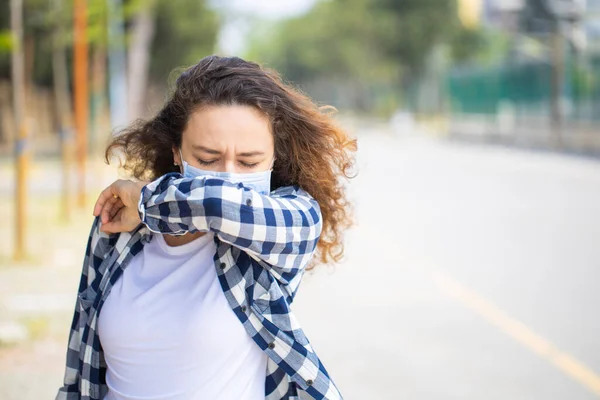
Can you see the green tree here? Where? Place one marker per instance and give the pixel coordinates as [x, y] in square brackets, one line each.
[353, 37]
[407, 30]
[185, 32]
[537, 17]
[369, 45]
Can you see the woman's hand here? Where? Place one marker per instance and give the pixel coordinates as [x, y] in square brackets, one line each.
[117, 206]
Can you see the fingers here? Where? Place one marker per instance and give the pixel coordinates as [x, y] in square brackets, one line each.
[104, 197]
[114, 224]
[120, 196]
[111, 227]
[110, 209]
[116, 208]
[112, 192]
[125, 220]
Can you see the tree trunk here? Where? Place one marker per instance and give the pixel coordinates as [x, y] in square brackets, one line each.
[139, 61]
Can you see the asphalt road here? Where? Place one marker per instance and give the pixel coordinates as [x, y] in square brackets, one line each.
[473, 273]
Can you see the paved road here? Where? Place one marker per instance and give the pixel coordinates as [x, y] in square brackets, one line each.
[473, 273]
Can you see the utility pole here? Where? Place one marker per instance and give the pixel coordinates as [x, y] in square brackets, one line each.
[557, 112]
[80, 88]
[62, 108]
[567, 14]
[561, 16]
[21, 151]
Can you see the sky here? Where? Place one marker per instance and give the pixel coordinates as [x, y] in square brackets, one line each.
[272, 9]
[238, 12]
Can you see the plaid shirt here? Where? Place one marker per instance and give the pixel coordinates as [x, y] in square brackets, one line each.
[263, 246]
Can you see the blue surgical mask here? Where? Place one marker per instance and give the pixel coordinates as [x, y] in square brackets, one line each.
[258, 181]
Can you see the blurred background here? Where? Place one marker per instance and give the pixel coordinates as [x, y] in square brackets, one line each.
[473, 271]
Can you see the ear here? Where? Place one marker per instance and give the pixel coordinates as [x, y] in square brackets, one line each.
[176, 157]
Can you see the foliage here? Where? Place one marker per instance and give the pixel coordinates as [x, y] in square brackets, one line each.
[5, 42]
[362, 49]
[537, 17]
[466, 44]
[357, 39]
[584, 81]
[185, 31]
[408, 29]
[97, 30]
[484, 46]
[331, 41]
[5, 39]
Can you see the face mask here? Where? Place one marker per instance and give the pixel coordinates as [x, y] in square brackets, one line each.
[258, 181]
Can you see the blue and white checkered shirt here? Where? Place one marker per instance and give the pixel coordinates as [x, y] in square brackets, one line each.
[263, 246]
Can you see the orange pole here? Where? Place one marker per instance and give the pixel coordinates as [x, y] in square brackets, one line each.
[81, 97]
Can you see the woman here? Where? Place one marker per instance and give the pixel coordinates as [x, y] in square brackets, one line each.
[195, 271]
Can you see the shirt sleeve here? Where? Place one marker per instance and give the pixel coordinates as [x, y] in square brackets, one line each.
[282, 228]
[93, 256]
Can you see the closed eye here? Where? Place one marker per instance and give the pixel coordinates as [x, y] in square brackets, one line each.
[248, 165]
[203, 162]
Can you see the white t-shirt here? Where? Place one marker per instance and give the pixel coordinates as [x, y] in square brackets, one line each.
[168, 332]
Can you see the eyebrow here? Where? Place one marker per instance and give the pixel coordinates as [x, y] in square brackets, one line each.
[251, 154]
[205, 149]
[213, 151]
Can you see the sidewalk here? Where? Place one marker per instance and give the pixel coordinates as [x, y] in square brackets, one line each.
[37, 296]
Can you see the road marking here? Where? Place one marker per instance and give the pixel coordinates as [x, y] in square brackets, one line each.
[520, 332]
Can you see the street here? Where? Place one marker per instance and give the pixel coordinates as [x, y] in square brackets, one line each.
[472, 273]
[472, 268]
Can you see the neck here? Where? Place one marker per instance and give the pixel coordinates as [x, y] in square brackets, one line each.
[175, 241]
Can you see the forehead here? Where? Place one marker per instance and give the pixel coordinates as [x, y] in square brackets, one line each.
[227, 126]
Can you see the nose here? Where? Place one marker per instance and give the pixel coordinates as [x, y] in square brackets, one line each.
[230, 165]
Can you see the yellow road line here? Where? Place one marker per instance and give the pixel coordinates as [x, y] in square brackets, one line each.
[521, 333]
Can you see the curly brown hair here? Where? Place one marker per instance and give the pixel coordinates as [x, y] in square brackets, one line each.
[311, 150]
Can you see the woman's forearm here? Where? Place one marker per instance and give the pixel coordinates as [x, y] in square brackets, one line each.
[282, 229]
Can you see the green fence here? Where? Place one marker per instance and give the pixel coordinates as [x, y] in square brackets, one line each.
[527, 86]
